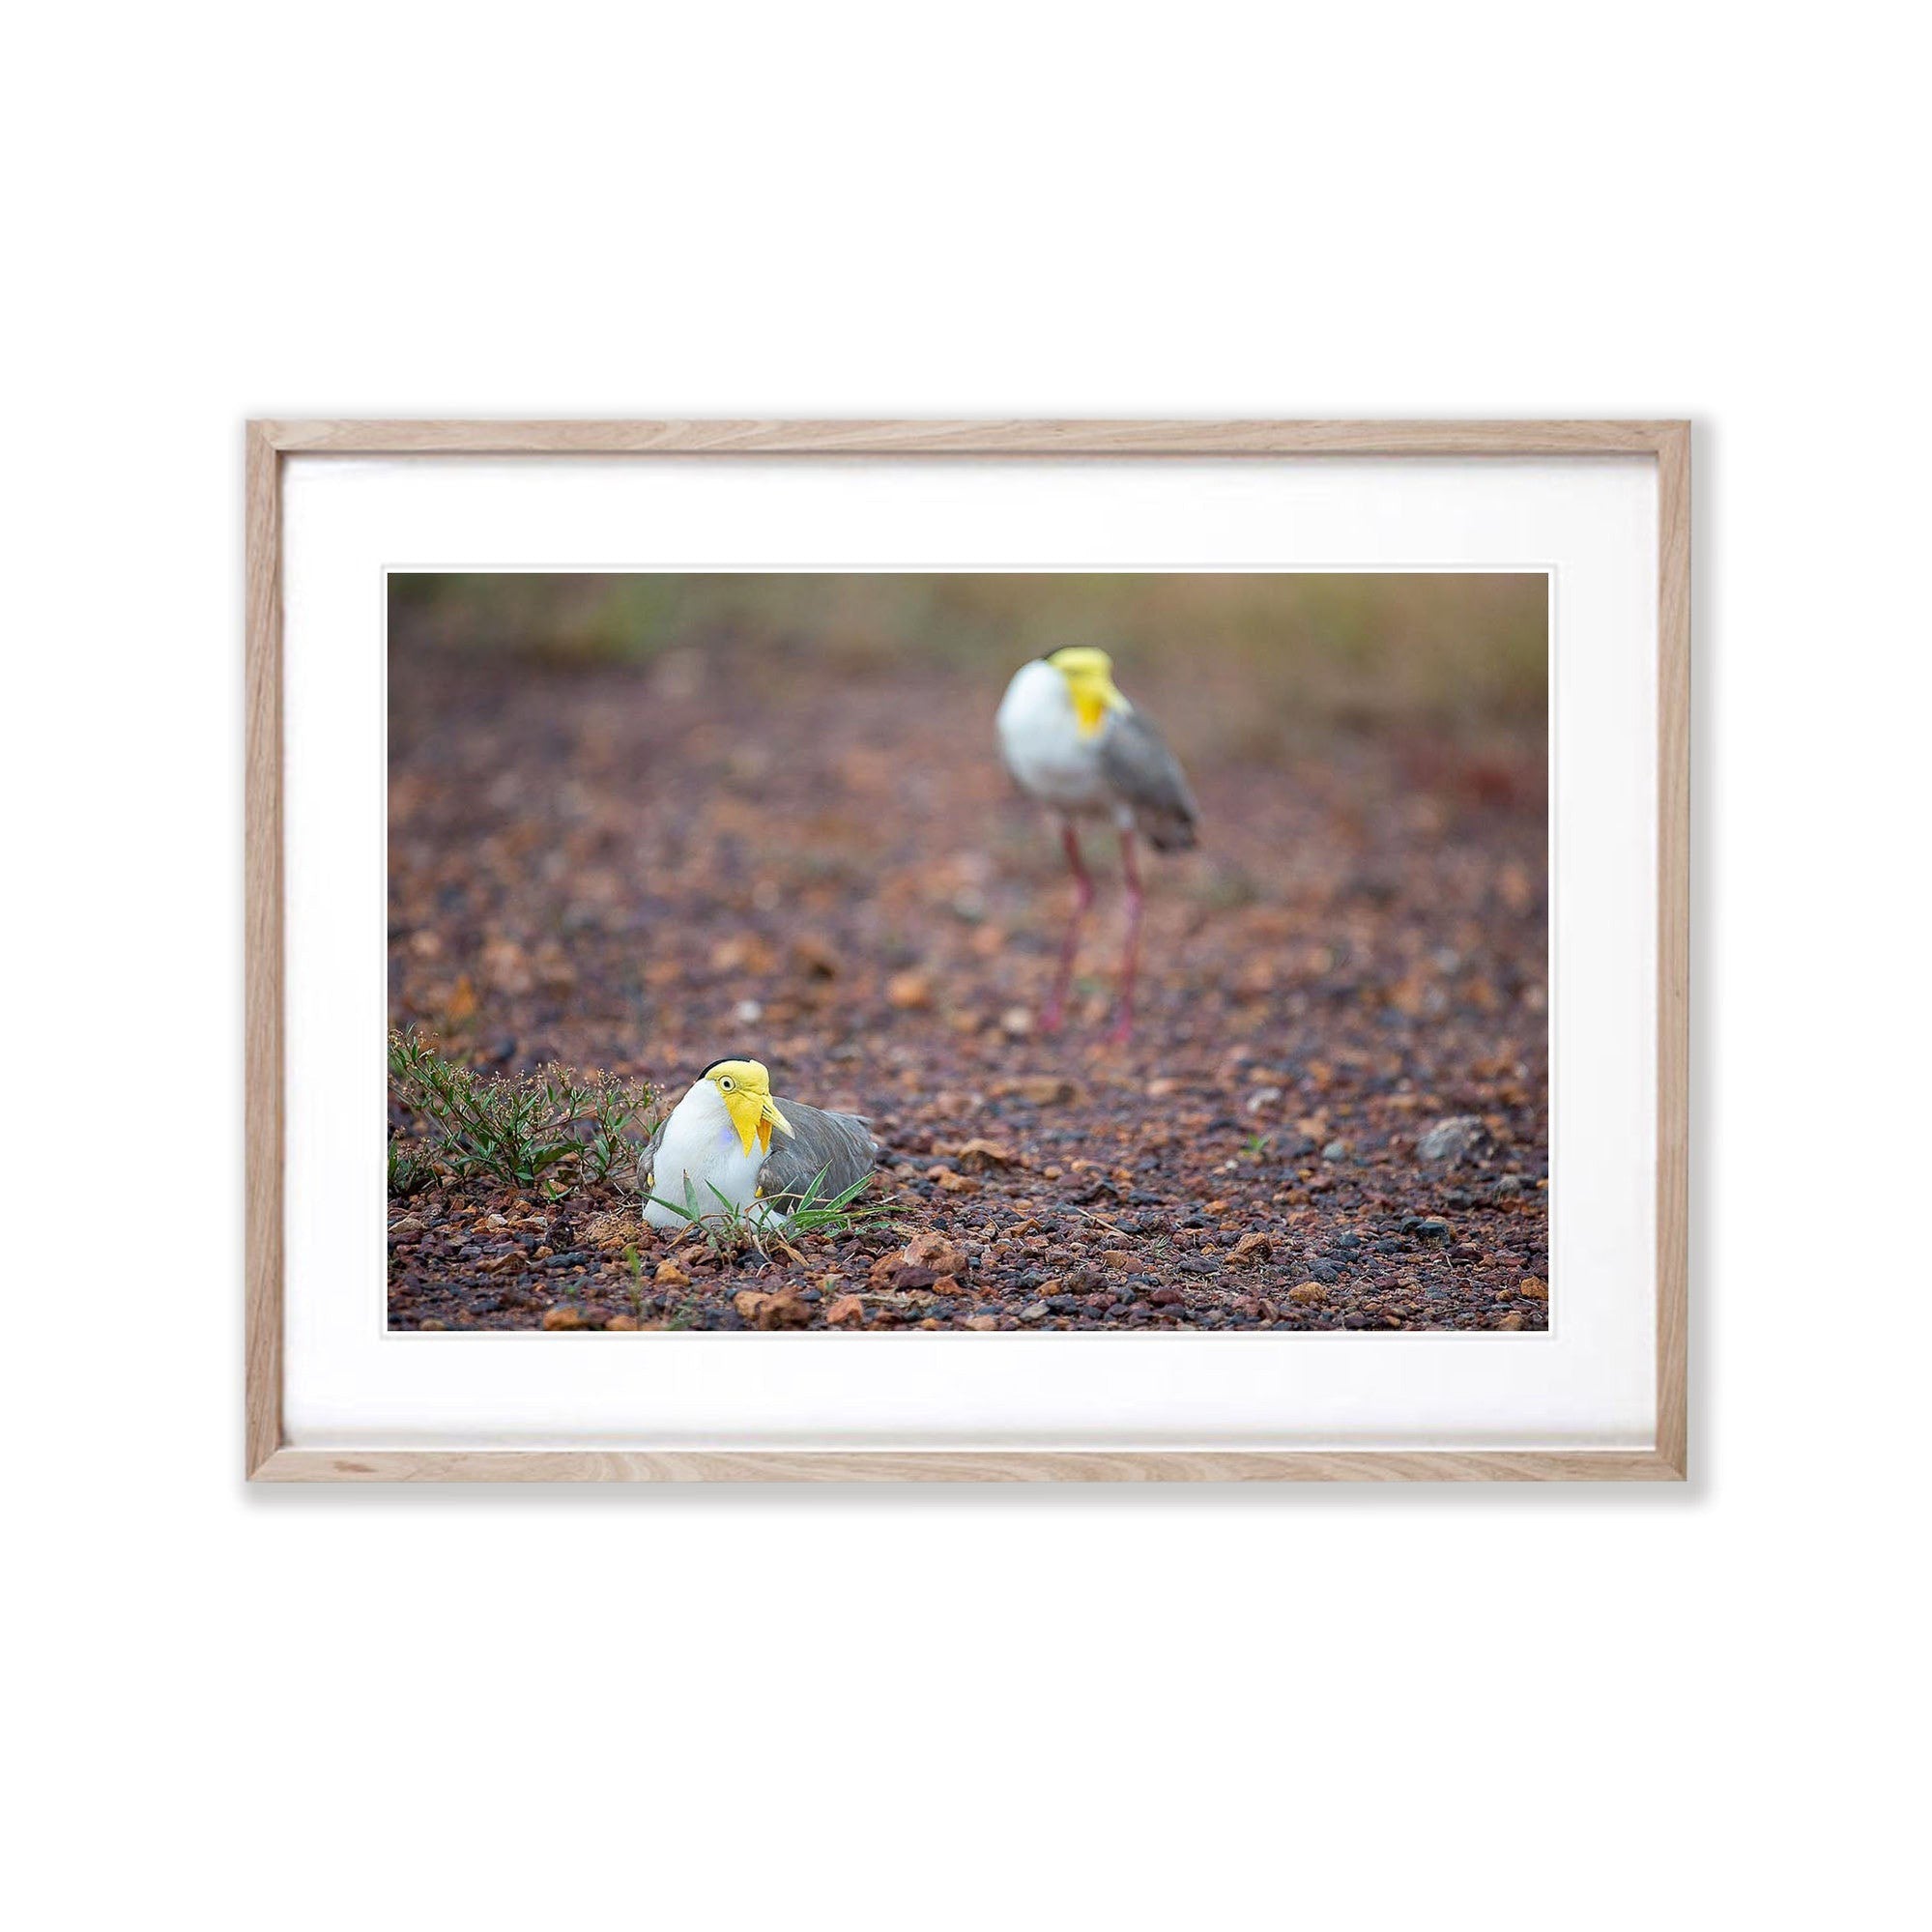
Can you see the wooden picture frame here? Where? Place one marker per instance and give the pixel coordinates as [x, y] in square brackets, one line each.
[269, 1457]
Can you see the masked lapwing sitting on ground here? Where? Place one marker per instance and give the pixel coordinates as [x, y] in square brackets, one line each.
[1071, 741]
[728, 1145]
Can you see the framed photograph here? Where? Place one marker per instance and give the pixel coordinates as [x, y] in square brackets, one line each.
[968, 951]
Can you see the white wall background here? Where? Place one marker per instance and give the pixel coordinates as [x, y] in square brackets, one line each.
[1493, 1708]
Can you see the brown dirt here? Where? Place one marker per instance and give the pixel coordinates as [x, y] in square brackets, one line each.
[643, 869]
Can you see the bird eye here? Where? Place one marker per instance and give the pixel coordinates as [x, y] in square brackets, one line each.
[725, 1081]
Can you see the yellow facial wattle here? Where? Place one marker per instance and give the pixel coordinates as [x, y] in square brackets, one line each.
[747, 1113]
[745, 1088]
[1089, 675]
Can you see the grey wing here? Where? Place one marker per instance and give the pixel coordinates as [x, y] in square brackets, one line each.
[1147, 778]
[838, 1145]
[647, 1156]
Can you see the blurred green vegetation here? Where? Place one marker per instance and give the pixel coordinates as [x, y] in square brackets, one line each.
[1342, 648]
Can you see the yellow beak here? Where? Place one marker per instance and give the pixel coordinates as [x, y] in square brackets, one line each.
[754, 1115]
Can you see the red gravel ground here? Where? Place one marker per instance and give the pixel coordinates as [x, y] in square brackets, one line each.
[643, 868]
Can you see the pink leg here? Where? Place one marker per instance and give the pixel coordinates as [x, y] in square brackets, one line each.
[1057, 1007]
[1129, 957]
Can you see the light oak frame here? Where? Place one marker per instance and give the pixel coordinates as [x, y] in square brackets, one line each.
[269, 1458]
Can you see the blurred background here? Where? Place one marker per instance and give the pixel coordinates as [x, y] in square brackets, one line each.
[633, 817]
[1459, 653]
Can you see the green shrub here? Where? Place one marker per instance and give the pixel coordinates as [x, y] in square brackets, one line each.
[544, 1130]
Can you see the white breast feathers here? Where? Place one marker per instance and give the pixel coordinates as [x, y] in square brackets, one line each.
[700, 1151]
[1040, 739]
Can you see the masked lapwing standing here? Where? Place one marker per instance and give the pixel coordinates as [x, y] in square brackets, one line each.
[1071, 741]
[728, 1145]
